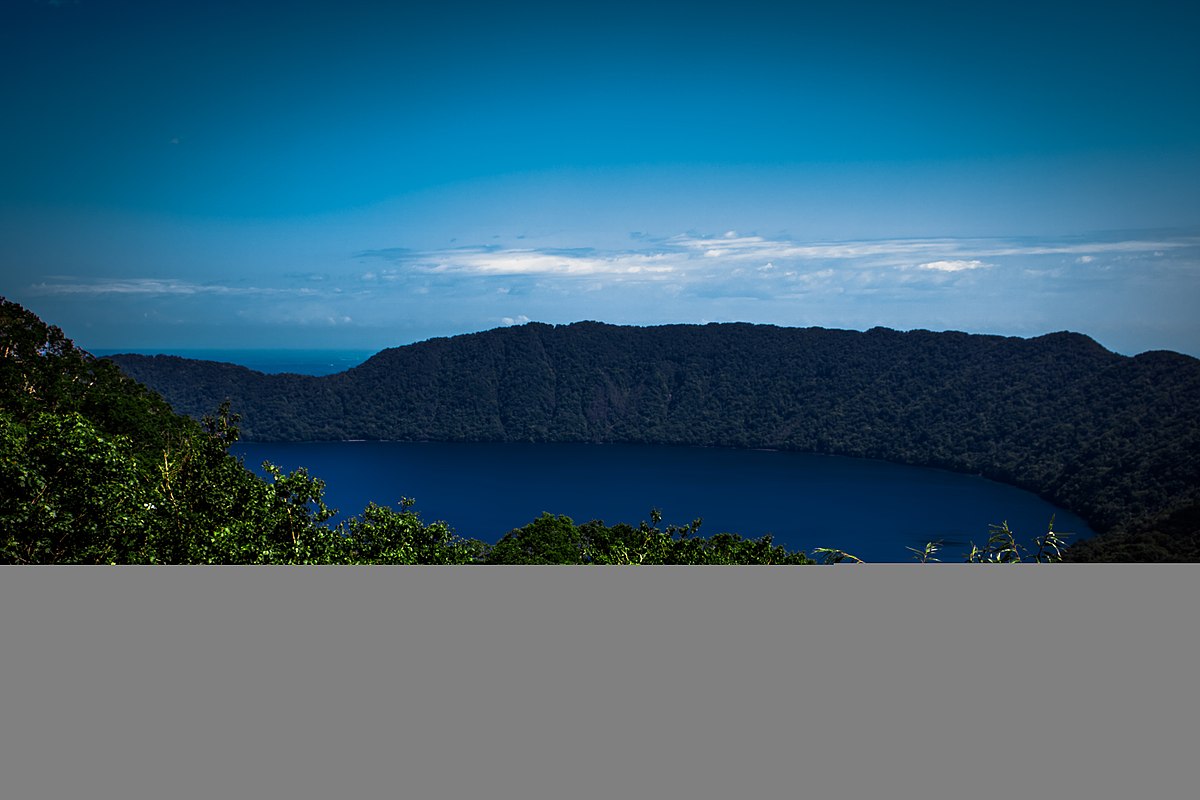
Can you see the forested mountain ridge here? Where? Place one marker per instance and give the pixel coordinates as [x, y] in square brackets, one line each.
[1111, 437]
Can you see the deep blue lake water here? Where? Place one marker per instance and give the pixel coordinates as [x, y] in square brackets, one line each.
[872, 509]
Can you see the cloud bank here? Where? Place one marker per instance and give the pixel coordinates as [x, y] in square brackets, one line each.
[1136, 289]
[691, 259]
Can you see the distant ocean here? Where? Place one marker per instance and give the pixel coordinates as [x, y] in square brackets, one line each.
[301, 362]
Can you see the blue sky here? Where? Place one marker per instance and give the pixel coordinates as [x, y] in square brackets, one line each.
[357, 174]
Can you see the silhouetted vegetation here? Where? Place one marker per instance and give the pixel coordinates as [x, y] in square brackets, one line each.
[1113, 438]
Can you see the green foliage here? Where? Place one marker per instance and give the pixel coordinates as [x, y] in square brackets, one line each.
[1002, 547]
[832, 555]
[69, 492]
[558, 540]
[383, 535]
[1050, 546]
[546, 540]
[96, 468]
[928, 554]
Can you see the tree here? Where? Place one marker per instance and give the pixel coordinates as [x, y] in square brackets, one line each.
[546, 540]
[68, 493]
[382, 535]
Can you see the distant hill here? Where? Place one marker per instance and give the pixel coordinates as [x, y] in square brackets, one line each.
[1114, 438]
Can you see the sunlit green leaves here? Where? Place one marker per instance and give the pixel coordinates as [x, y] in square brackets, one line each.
[71, 493]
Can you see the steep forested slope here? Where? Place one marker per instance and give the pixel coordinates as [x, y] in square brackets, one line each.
[1114, 438]
[95, 468]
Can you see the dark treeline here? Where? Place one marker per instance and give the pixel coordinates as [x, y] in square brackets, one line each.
[1113, 438]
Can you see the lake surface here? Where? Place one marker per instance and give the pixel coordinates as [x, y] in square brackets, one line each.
[872, 509]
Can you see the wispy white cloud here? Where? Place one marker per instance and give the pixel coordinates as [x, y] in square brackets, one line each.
[152, 287]
[755, 248]
[533, 262]
[733, 260]
[953, 266]
[520, 319]
[308, 314]
[487, 261]
[994, 248]
[812, 277]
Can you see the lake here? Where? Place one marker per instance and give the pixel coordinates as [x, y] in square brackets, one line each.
[872, 509]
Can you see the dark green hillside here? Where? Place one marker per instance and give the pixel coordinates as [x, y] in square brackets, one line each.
[95, 468]
[1113, 438]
